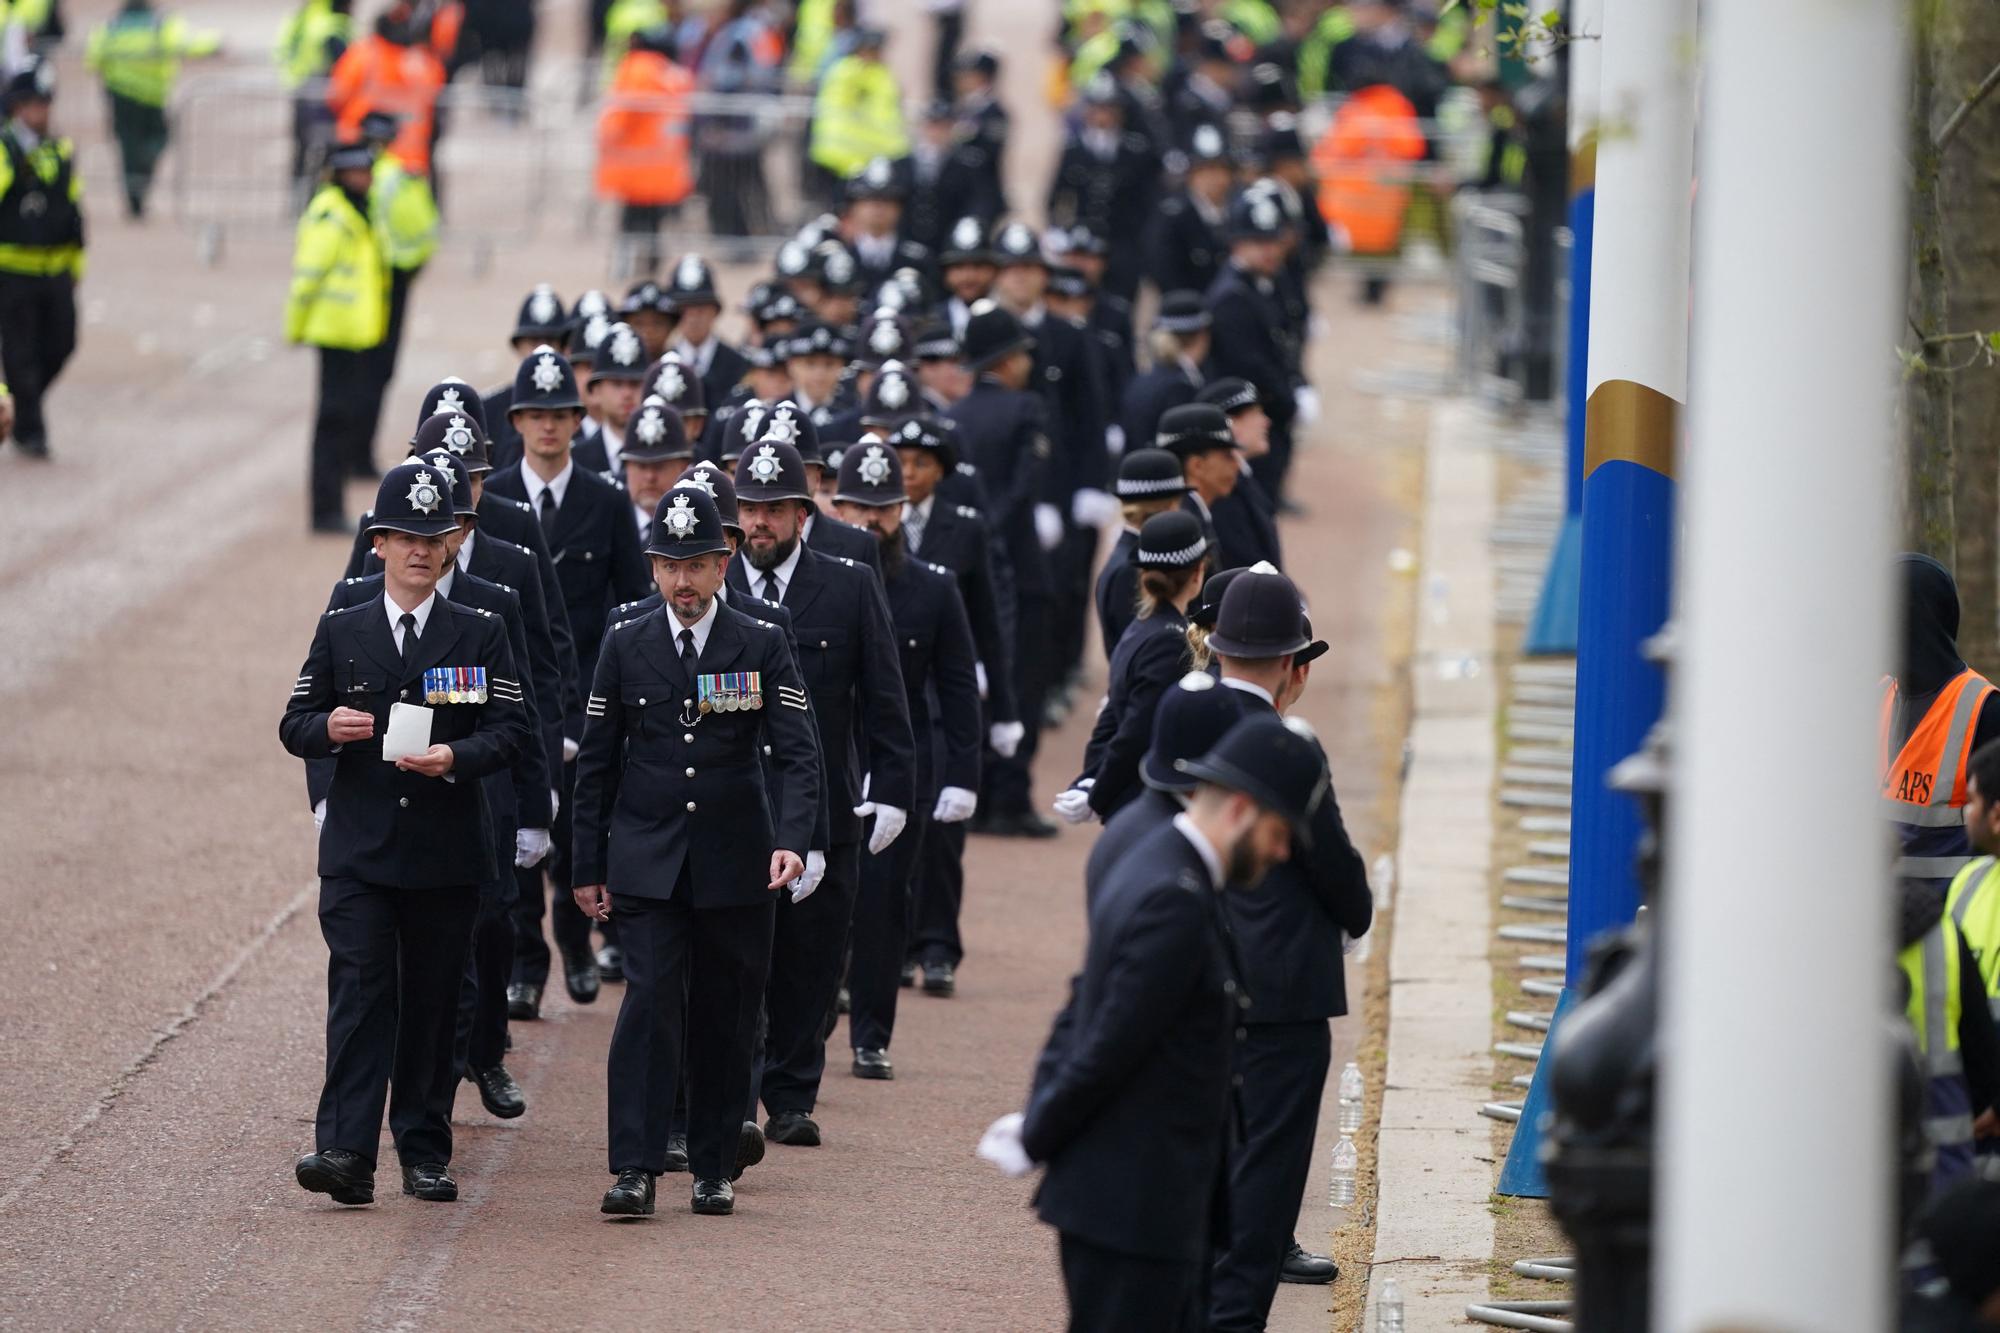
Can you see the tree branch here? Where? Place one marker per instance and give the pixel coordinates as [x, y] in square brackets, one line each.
[1956, 121]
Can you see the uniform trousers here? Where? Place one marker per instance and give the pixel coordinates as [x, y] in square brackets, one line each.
[382, 369]
[37, 335]
[340, 423]
[1007, 780]
[693, 979]
[141, 131]
[1070, 568]
[936, 897]
[807, 952]
[1283, 1070]
[1109, 1291]
[572, 927]
[482, 999]
[395, 963]
[881, 919]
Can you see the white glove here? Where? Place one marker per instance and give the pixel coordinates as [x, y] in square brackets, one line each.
[1048, 526]
[555, 804]
[1092, 508]
[1114, 439]
[955, 805]
[530, 846]
[889, 822]
[1074, 805]
[570, 750]
[979, 674]
[1306, 400]
[1006, 737]
[319, 815]
[1001, 1145]
[815, 871]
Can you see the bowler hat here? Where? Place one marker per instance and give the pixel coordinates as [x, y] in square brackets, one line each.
[1192, 716]
[686, 524]
[1172, 540]
[1261, 617]
[1279, 768]
[1194, 428]
[1148, 474]
[992, 334]
[414, 497]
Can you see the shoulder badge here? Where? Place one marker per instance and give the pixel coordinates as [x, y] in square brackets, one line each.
[937, 568]
[845, 561]
[339, 609]
[349, 583]
[967, 511]
[521, 505]
[1040, 448]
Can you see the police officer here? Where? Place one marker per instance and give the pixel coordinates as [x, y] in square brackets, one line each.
[1289, 926]
[1104, 181]
[950, 176]
[1110, 315]
[871, 224]
[41, 249]
[1003, 429]
[854, 679]
[719, 366]
[965, 266]
[1149, 482]
[673, 380]
[1974, 898]
[542, 319]
[651, 312]
[1179, 347]
[338, 303]
[138, 54]
[657, 453]
[1250, 339]
[938, 660]
[1132, 1102]
[405, 845]
[586, 522]
[1187, 244]
[518, 801]
[1151, 655]
[1245, 517]
[814, 358]
[684, 702]
[983, 126]
[615, 387]
[1211, 461]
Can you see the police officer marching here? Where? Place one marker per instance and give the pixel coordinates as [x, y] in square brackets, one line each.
[415, 698]
[41, 249]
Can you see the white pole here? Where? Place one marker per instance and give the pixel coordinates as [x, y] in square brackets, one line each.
[1774, 1172]
[1585, 17]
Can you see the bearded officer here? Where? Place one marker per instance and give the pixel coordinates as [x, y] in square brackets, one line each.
[685, 700]
[938, 660]
[855, 681]
[405, 845]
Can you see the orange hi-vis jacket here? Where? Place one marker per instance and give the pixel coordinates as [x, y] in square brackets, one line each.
[378, 75]
[1923, 784]
[642, 133]
[1362, 165]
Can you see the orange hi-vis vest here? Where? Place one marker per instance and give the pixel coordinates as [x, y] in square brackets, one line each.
[1363, 165]
[642, 133]
[1923, 784]
[378, 75]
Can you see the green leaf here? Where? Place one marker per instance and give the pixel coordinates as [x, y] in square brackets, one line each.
[1993, 342]
[1513, 9]
[1552, 19]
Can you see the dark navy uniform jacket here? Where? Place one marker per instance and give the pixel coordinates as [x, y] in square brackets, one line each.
[1112, 197]
[1004, 434]
[1118, 590]
[934, 643]
[1131, 1104]
[1122, 832]
[1246, 525]
[660, 785]
[726, 369]
[506, 447]
[848, 657]
[1184, 252]
[1148, 397]
[962, 186]
[956, 538]
[1249, 339]
[595, 550]
[844, 541]
[1150, 657]
[384, 825]
[1069, 374]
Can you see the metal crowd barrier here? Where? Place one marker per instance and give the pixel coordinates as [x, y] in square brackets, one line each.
[1489, 263]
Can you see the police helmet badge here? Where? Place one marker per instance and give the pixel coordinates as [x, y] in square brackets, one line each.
[753, 417]
[895, 391]
[424, 495]
[784, 426]
[839, 267]
[651, 427]
[699, 477]
[458, 436]
[680, 518]
[874, 466]
[965, 235]
[449, 478]
[1264, 213]
[885, 339]
[672, 383]
[625, 346]
[1207, 141]
[548, 375]
[449, 401]
[876, 174]
[595, 328]
[765, 466]
[689, 273]
[912, 431]
[542, 307]
[1017, 239]
[592, 304]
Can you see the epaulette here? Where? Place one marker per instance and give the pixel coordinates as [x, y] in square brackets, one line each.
[623, 623]
[625, 606]
[503, 587]
[967, 511]
[762, 624]
[967, 470]
[367, 514]
[937, 568]
[358, 578]
[521, 505]
[481, 610]
[336, 610]
[845, 561]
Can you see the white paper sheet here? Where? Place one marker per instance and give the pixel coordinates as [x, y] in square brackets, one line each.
[409, 731]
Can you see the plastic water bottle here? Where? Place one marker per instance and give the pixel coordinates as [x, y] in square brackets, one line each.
[1345, 1159]
[1350, 1098]
[1389, 1308]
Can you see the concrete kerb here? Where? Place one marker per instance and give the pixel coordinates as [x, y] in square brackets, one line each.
[1434, 1232]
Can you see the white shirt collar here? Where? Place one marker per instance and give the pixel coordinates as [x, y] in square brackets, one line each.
[698, 355]
[1250, 688]
[700, 627]
[645, 523]
[532, 482]
[395, 614]
[922, 509]
[444, 582]
[614, 449]
[465, 547]
[1202, 846]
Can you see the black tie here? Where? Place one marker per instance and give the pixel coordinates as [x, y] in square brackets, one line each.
[689, 658]
[770, 592]
[409, 624]
[549, 516]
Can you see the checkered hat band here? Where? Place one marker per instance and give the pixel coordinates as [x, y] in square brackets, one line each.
[1187, 555]
[1131, 487]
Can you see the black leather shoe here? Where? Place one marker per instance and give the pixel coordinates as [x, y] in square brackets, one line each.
[714, 1198]
[611, 963]
[749, 1148]
[430, 1181]
[40, 449]
[632, 1196]
[794, 1129]
[677, 1153]
[580, 975]
[524, 1001]
[1305, 1267]
[873, 1063]
[940, 979]
[909, 974]
[1029, 824]
[498, 1092]
[343, 1176]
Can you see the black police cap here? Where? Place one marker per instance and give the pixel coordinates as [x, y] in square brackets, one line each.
[686, 524]
[693, 282]
[1256, 215]
[871, 473]
[1230, 394]
[544, 379]
[714, 478]
[884, 336]
[991, 334]
[1015, 243]
[621, 356]
[771, 469]
[777, 307]
[414, 497]
[894, 397]
[458, 478]
[644, 296]
[1191, 718]
[1148, 474]
[1172, 540]
[878, 178]
[935, 435]
[1183, 312]
[965, 243]
[675, 382]
[1194, 428]
[935, 342]
[1261, 616]
[816, 340]
[455, 434]
[1265, 758]
[1206, 607]
[656, 434]
[834, 267]
[452, 394]
[1065, 280]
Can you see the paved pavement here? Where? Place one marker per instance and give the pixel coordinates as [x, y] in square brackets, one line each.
[162, 980]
